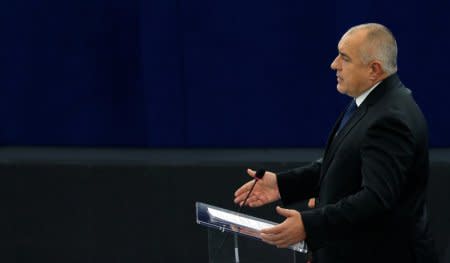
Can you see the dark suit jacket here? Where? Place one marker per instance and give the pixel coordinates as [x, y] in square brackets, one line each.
[370, 184]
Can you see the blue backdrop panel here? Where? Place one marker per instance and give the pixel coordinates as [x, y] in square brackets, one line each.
[250, 75]
[161, 74]
[204, 73]
[71, 74]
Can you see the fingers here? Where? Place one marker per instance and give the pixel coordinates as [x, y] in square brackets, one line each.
[285, 212]
[254, 200]
[273, 230]
[263, 192]
[280, 228]
[287, 233]
[312, 203]
[242, 192]
[277, 236]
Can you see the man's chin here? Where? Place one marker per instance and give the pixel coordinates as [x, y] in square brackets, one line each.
[340, 89]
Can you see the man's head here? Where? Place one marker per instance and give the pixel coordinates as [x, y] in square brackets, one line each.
[367, 55]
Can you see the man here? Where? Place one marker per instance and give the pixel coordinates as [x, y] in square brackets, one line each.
[371, 182]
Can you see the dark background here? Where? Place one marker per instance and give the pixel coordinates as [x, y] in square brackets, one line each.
[203, 73]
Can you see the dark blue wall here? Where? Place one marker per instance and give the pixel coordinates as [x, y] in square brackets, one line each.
[203, 73]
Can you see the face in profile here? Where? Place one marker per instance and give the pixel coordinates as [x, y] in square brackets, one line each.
[352, 74]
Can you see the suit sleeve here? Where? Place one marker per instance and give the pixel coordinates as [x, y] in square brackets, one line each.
[300, 183]
[387, 152]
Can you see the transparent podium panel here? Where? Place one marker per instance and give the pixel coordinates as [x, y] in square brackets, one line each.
[227, 247]
[234, 237]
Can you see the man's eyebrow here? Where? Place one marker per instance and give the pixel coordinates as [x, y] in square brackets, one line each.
[344, 55]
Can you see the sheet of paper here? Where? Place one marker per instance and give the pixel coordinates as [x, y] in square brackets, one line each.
[239, 220]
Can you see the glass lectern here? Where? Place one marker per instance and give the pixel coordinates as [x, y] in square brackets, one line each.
[234, 237]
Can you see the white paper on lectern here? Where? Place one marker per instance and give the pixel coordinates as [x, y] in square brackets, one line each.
[246, 222]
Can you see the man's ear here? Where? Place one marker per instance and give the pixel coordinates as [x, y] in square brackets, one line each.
[376, 70]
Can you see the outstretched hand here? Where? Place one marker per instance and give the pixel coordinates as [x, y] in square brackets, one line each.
[265, 191]
[288, 233]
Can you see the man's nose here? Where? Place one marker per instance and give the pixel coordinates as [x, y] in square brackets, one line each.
[333, 65]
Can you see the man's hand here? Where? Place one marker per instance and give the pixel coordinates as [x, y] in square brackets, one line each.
[290, 232]
[265, 191]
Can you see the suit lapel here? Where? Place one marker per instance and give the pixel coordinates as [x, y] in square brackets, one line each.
[335, 141]
[331, 136]
[348, 127]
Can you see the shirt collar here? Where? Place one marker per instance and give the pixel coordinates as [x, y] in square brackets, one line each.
[360, 99]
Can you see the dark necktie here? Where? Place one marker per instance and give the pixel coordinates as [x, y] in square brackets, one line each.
[347, 115]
